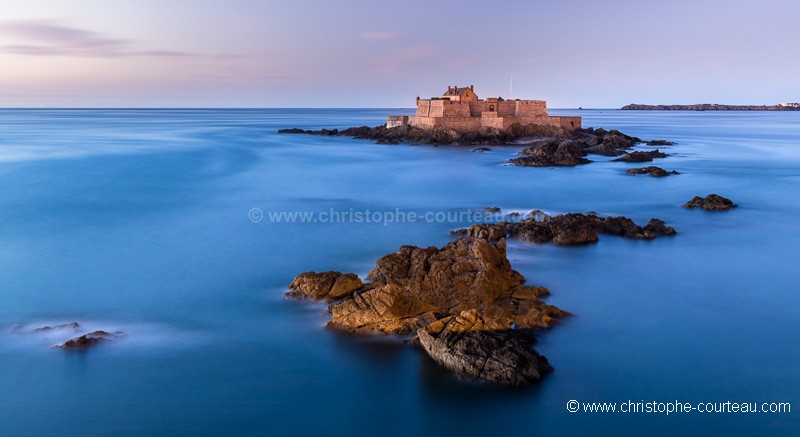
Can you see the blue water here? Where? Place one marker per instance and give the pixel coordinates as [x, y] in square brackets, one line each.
[137, 220]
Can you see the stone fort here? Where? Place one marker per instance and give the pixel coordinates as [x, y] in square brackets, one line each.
[460, 109]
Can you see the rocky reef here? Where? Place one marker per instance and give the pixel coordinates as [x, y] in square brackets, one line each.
[469, 310]
[567, 229]
[650, 170]
[78, 342]
[548, 146]
[572, 151]
[410, 134]
[712, 202]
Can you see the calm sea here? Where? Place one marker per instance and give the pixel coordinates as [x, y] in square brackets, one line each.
[142, 221]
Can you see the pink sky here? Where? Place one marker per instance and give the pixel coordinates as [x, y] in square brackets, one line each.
[247, 53]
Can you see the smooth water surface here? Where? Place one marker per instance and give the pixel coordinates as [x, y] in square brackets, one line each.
[140, 221]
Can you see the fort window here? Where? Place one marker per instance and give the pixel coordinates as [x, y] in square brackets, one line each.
[491, 108]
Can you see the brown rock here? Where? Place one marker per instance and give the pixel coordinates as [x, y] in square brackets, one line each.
[415, 286]
[552, 153]
[712, 202]
[88, 340]
[477, 348]
[642, 156]
[326, 285]
[566, 229]
[650, 170]
[468, 285]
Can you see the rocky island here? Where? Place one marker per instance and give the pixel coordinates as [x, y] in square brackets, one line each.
[470, 311]
[712, 107]
[712, 202]
[77, 341]
[460, 118]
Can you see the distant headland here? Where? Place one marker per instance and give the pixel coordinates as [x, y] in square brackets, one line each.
[713, 107]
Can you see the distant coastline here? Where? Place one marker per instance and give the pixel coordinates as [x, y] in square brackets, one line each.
[713, 107]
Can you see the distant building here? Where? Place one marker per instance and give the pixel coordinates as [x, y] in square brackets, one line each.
[460, 109]
[789, 105]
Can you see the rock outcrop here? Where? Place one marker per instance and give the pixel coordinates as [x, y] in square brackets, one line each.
[567, 229]
[642, 156]
[568, 152]
[553, 152]
[650, 170]
[325, 286]
[474, 347]
[88, 340]
[431, 292]
[548, 145]
[73, 326]
[411, 134]
[712, 202]
[83, 341]
[660, 143]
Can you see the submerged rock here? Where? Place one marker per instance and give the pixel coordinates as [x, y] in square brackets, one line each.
[642, 156]
[660, 143]
[712, 202]
[650, 170]
[422, 289]
[482, 149]
[72, 325]
[88, 340]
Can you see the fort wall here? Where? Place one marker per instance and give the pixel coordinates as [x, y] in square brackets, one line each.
[465, 113]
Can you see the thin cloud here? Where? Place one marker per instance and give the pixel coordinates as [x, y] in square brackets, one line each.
[46, 38]
[400, 59]
[377, 35]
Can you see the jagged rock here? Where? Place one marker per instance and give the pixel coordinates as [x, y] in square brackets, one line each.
[88, 340]
[492, 209]
[553, 152]
[642, 156]
[566, 229]
[537, 213]
[660, 143]
[416, 287]
[476, 348]
[411, 134]
[487, 231]
[650, 170]
[712, 202]
[556, 147]
[326, 285]
[657, 226]
[514, 214]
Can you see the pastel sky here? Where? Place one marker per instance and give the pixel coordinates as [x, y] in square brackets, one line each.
[351, 53]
